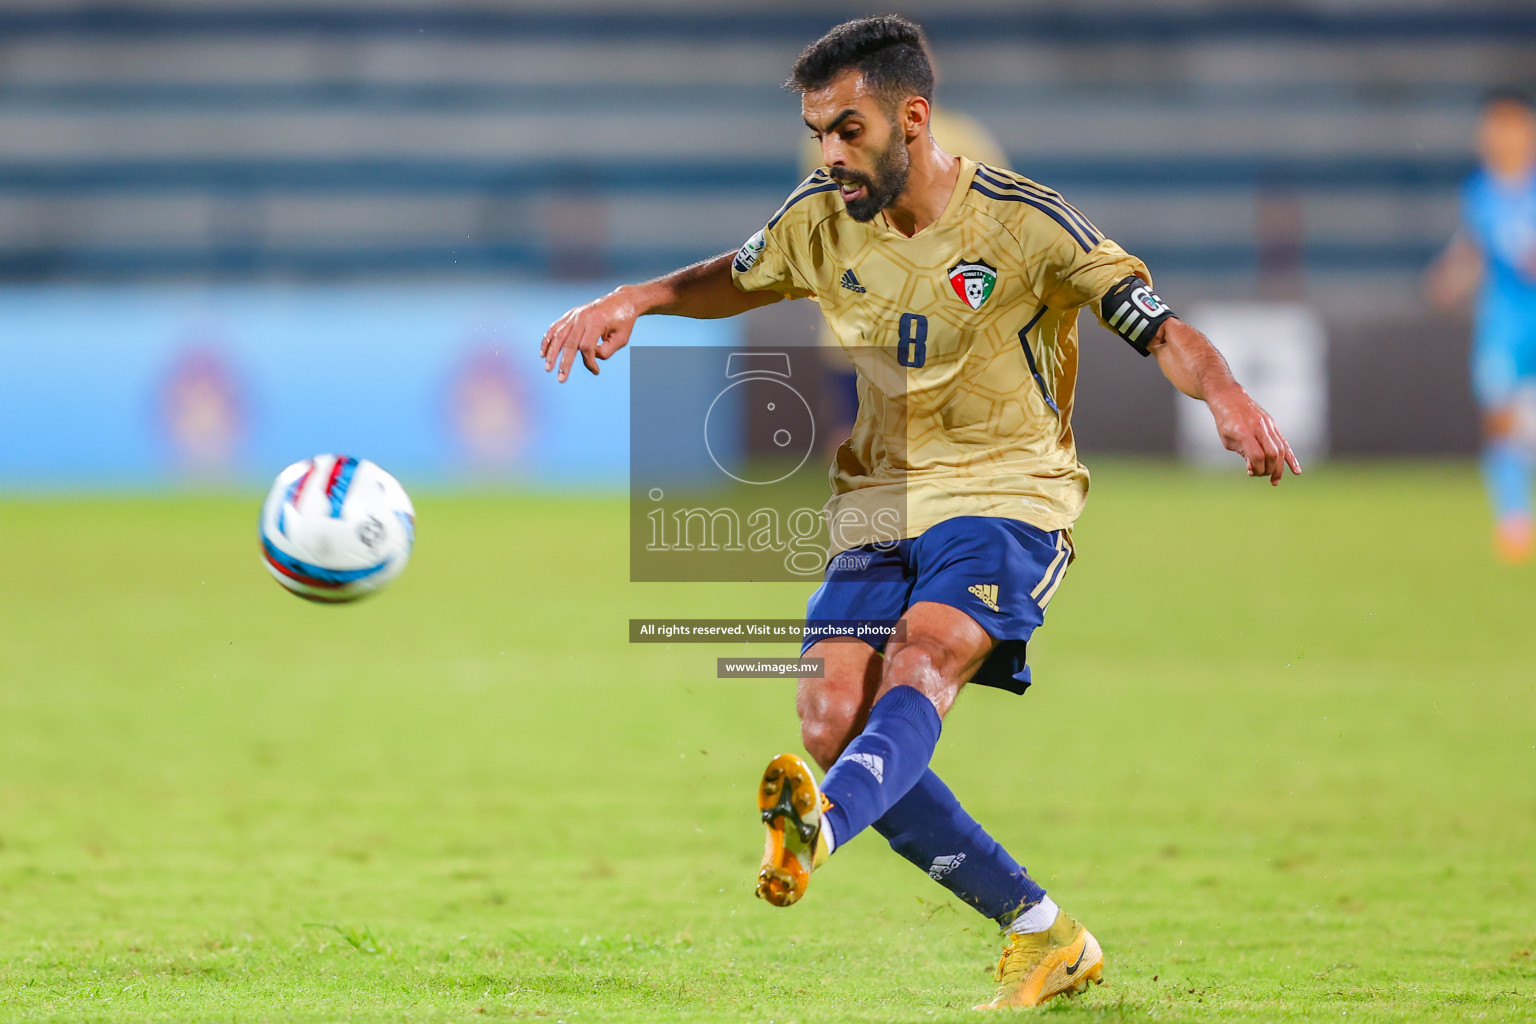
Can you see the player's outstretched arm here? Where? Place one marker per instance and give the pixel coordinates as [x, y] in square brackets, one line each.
[1454, 275]
[600, 328]
[1191, 362]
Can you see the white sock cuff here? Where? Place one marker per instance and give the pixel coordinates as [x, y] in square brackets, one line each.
[826, 830]
[1036, 919]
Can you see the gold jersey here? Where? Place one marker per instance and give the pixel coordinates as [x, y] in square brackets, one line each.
[953, 132]
[964, 338]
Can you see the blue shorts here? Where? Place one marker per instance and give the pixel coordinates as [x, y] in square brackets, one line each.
[1503, 352]
[1000, 572]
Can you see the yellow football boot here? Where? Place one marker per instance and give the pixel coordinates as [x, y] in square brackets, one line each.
[791, 805]
[1061, 960]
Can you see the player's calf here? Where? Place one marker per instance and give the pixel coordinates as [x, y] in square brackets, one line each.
[834, 708]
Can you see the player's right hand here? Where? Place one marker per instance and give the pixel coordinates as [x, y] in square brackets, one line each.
[596, 330]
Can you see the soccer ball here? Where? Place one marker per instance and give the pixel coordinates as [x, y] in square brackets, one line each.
[335, 528]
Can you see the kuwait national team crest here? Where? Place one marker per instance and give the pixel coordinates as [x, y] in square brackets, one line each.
[973, 281]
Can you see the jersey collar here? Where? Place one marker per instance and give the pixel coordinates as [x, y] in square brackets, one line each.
[957, 197]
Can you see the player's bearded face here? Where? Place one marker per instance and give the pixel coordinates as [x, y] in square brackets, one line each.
[867, 194]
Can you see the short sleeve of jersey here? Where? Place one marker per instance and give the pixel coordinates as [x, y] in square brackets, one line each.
[1066, 259]
[776, 258]
[762, 264]
[1071, 276]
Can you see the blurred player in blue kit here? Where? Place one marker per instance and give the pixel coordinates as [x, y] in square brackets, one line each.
[1494, 253]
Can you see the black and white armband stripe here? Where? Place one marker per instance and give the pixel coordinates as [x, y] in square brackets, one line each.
[1135, 312]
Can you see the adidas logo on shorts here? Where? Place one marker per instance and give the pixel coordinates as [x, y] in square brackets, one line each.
[986, 593]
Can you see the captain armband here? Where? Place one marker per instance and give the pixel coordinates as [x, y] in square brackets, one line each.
[1135, 312]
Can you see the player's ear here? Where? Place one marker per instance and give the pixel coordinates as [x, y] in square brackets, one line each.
[915, 114]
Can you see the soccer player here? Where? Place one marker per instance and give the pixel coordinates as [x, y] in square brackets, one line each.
[1497, 243]
[959, 287]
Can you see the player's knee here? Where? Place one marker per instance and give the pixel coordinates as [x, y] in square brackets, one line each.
[921, 657]
[927, 664]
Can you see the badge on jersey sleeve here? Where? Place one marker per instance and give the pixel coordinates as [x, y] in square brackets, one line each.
[973, 281]
[748, 253]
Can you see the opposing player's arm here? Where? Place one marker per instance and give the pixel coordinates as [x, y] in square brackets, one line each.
[703, 291]
[1195, 367]
[1454, 275]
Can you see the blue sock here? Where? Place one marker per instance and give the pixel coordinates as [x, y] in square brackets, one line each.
[1508, 470]
[882, 763]
[930, 828]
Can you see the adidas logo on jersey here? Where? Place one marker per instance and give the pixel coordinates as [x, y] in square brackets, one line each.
[874, 762]
[944, 865]
[852, 283]
[986, 593]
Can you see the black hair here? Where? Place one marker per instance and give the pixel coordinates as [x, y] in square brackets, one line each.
[887, 50]
[1507, 94]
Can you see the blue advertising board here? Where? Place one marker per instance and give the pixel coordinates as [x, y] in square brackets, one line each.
[107, 387]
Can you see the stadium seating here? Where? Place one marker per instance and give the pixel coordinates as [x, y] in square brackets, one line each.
[1278, 150]
[237, 139]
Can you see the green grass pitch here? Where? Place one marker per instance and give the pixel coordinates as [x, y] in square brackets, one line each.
[1280, 757]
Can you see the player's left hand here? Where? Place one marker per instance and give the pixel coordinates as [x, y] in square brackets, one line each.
[1247, 429]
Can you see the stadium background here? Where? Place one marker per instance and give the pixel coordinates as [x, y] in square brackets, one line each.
[1279, 751]
[207, 208]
